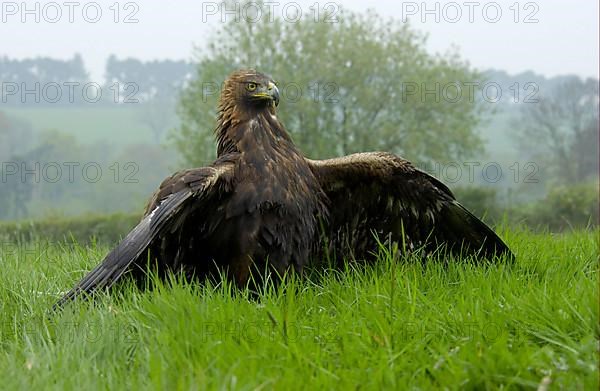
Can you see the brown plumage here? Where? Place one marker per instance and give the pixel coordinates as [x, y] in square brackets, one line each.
[262, 207]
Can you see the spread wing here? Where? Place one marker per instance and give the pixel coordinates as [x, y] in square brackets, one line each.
[380, 194]
[178, 197]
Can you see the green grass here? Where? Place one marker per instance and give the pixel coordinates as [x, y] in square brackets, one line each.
[399, 324]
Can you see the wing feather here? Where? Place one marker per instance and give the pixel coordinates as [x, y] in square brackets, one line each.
[380, 193]
[167, 210]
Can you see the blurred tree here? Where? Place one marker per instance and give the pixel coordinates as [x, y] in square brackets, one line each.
[349, 82]
[145, 81]
[15, 136]
[158, 116]
[564, 207]
[15, 193]
[36, 73]
[561, 130]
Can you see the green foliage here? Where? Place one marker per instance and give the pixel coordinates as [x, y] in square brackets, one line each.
[564, 208]
[343, 84]
[401, 324]
[106, 229]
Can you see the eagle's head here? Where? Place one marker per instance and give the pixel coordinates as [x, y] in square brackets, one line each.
[247, 106]
[249, 89]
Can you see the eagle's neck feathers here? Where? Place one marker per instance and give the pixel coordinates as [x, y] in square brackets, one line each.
[246, 129]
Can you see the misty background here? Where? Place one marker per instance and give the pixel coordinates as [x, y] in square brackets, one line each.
[94, 113]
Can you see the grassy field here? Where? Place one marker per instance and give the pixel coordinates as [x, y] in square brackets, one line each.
[89, 125]
[397, 325]
[126, 124]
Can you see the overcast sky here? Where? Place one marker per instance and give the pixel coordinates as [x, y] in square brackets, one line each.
[562, 38]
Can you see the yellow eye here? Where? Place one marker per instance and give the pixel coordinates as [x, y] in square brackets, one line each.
[251, 86]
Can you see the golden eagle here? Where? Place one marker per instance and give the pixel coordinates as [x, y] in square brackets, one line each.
[262, 207]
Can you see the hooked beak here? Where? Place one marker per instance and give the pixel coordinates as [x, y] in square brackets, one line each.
[269, 92]
[273, 92]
